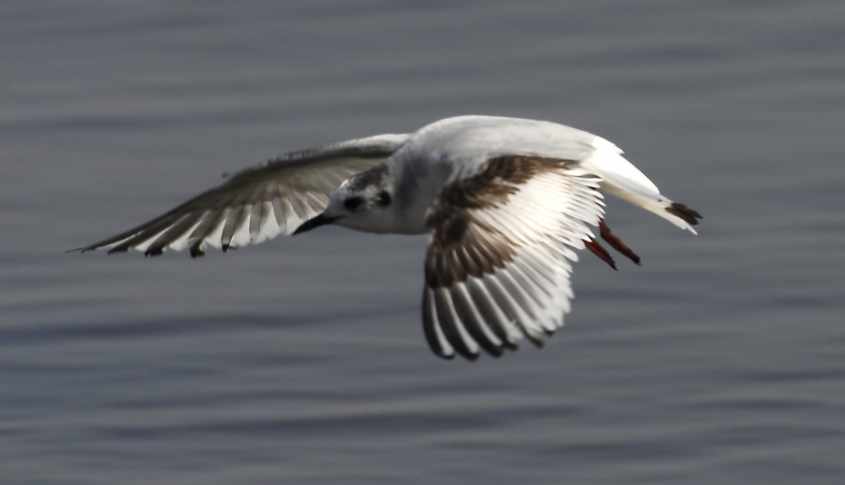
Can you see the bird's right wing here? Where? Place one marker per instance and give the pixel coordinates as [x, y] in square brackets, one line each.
[257, 203]
[503, 242]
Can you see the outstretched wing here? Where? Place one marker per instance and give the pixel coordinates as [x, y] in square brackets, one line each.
[501, 252]
[257, 203]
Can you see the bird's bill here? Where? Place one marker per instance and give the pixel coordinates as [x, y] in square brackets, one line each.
[315, 222]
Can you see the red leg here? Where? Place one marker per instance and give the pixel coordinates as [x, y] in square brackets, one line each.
[617, 243]
[599, 251]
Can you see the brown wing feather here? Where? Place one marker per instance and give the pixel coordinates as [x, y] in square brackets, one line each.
[486, 286]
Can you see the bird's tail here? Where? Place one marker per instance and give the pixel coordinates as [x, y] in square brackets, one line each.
[622, 179]
[678, 214]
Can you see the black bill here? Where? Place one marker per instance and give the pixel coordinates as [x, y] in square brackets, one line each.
[313, 223]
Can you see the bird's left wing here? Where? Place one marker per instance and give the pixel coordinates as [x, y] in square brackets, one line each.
[257, 203]
[498, 265]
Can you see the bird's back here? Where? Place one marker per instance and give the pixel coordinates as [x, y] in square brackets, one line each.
[456, 148]
[466, 142]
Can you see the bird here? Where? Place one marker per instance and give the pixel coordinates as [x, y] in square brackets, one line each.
[506, 202]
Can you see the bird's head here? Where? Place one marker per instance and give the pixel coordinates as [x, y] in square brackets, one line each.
[363, 202]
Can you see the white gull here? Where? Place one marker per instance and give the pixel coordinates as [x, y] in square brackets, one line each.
[507, 202]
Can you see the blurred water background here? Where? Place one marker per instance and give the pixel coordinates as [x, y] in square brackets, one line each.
[721, 360]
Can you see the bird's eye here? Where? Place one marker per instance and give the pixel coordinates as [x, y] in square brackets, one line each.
[383, 198]
[353, 203]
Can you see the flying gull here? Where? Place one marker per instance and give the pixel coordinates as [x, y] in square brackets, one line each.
[507, 203]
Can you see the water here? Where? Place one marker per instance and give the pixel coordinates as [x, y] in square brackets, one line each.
[721, 360]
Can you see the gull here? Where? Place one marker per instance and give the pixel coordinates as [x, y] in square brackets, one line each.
[507, 203]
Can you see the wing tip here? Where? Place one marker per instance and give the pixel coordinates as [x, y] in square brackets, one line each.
[87, 249]
[153, 251]
[196, 250]
[474, 356]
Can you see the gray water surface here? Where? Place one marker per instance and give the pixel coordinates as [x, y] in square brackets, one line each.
[720, 360]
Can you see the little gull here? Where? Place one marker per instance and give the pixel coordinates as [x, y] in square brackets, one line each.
[507, 202]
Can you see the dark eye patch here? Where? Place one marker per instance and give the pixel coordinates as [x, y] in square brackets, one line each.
[353, 203]
[383, 198]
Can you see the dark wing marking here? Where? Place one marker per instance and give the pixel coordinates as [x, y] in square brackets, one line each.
[503, 242]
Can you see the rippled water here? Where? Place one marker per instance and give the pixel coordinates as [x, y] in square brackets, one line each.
[721, 360]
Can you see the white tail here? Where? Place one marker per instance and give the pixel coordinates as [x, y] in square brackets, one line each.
[622, 179]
